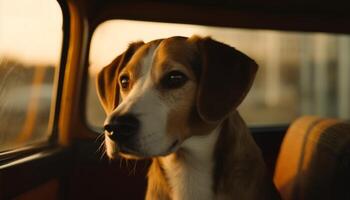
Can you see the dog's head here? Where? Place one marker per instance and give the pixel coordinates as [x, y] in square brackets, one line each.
[158, 94]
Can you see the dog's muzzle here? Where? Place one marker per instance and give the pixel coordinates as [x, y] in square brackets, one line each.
[121, 128]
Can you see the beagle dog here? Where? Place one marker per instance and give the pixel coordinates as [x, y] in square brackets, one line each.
[174, 100]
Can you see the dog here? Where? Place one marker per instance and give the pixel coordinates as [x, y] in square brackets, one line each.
[174, 100]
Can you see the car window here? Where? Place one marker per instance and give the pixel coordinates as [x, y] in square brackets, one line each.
[30, 47]
[300, 73]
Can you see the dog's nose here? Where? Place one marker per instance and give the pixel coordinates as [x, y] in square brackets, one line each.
[121, 128]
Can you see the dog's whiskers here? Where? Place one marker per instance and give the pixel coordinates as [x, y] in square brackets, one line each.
[103, 149]
[99, 136]
[103, 154]
[134, 170]
[102, 146]
[127, 163]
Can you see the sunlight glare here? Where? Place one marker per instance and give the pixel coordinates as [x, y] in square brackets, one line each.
[27, 23]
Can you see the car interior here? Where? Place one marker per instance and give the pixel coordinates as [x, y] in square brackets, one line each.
[51, 122]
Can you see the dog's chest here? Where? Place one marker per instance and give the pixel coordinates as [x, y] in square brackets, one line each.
[188, 183]
[190, 172]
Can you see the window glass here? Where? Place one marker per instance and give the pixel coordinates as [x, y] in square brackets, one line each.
[300, 73]
[30, 47]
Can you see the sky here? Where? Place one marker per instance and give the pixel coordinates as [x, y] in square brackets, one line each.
[30, 31]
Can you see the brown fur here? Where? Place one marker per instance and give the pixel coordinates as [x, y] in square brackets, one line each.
[158, 187]
[236, 173]
[107, 79]
[226, 77]
[178, 52]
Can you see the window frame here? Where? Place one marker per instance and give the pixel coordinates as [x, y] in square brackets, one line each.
[23, 163]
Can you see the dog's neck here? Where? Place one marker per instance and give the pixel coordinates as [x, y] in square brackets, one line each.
[189, 171]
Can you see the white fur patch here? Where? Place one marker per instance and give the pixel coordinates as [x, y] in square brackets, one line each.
[191, 174]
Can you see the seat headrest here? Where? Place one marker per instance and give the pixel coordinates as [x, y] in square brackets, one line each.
[314, 160]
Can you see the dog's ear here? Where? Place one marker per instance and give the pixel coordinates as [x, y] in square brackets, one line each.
[225, 78]
[107, 78]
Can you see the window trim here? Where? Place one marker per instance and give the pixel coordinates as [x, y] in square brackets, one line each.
[287, 16]
[33, 170]
[11, 155]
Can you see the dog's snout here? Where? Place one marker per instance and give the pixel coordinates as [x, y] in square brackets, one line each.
[120, 128]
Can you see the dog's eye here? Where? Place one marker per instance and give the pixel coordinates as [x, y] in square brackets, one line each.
[174, 79]
[124, 81]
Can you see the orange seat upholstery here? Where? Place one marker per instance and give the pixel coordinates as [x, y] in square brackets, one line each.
[314, 160]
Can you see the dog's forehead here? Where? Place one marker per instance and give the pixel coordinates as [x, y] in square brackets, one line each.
[176, 49]
[160, 54]
[141, 59]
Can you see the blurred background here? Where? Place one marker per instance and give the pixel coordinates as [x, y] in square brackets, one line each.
[30, 48]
